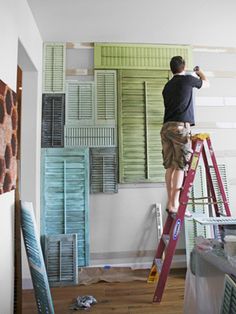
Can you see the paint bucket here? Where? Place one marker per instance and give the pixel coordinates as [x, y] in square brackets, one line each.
[230, 246]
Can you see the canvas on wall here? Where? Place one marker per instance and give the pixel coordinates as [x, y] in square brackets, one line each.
[8, 138]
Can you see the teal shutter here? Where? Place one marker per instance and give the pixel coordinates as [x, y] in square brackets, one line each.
[79, 103]
[54, 68]
[134, 56]
[229, 298]
[192, 228]
[106, 97]
[103, 170]
[140, 114]
[35, 259]
[61, 259]
[65, 193]
[53, 116]
[90, 136]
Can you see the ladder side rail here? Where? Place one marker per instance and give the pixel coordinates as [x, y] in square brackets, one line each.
[218, 176]
[210, 182]
[179, 220]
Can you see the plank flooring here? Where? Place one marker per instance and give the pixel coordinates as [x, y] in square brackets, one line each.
[117, 298]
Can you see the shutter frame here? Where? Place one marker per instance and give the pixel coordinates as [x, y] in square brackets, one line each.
[72, 86]
[54, 69]
[55, 194]
[105, 91]
[57, 248]
[132, 119]
[103, 170]
[35, 259]
[53, 118]
[138, 56]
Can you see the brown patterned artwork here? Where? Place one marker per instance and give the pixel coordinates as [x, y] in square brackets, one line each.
[8, 138]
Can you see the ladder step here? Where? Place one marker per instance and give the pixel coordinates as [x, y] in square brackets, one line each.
[166, 238]
[158, 263]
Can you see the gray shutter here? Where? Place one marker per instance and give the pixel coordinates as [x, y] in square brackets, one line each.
[106, 97]
[79, 103]
[53, 116]
[61, 259]
[192, 228]
[65, 191]
[103, 170]
[140, 112]
[90, 136]
[54, 68]
[229, 299]
[35, 260]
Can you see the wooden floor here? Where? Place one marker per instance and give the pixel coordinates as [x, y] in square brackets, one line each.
[119, 298]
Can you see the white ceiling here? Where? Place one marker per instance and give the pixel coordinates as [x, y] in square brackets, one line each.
[201, 22]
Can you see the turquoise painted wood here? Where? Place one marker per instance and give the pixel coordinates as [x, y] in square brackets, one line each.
[65, 192]
[103, 170]
[138, 56]
[106, 97]
[61, 256]
[80, 103]
[54, 68]
[35, 259]
[140, 118]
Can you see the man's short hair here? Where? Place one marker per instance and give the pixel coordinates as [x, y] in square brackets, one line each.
[177, 64]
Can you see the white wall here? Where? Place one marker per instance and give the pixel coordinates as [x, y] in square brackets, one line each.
[17, 23]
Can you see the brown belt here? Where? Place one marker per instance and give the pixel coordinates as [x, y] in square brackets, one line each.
[185, 124]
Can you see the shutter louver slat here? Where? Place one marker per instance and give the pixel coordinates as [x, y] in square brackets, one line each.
[54, 68]
[35, 259]
[228, 305]
[103, 170]
[133, 56]
[65, 190]
[61, 259]
[53, 108]
[140, 120]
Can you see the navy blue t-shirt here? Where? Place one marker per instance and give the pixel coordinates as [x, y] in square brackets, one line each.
[178, 98]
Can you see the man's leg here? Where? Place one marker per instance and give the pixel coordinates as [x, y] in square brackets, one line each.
[177, 182]
[169, 183]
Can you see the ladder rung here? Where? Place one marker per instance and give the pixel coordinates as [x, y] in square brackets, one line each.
[158, 263]
[166, 238]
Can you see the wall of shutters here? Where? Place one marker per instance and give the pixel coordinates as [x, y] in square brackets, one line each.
[65, 191]
[54, 68]
[61, 259]
[140, 117]
[134, 56]
[53, 116]
[103, 170]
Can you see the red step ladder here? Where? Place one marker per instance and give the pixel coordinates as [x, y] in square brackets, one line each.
[174, 223]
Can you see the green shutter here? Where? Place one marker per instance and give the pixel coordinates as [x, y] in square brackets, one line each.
[140, 114]
[134, 56]
[65, 192]
[103, 170]
[79, 103]
[106, 97]
[228, 305]
[192, 228]
[90, 136]
[54, 68]
[61, 259]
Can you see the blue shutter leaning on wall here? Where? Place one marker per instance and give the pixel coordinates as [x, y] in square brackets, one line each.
[65, 191]
[53, 116]
[103, 170]
[35, 259]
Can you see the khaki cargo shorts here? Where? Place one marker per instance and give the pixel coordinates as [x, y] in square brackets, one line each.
[176, 144]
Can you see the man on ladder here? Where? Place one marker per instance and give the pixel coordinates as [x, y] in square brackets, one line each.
[175, 133]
